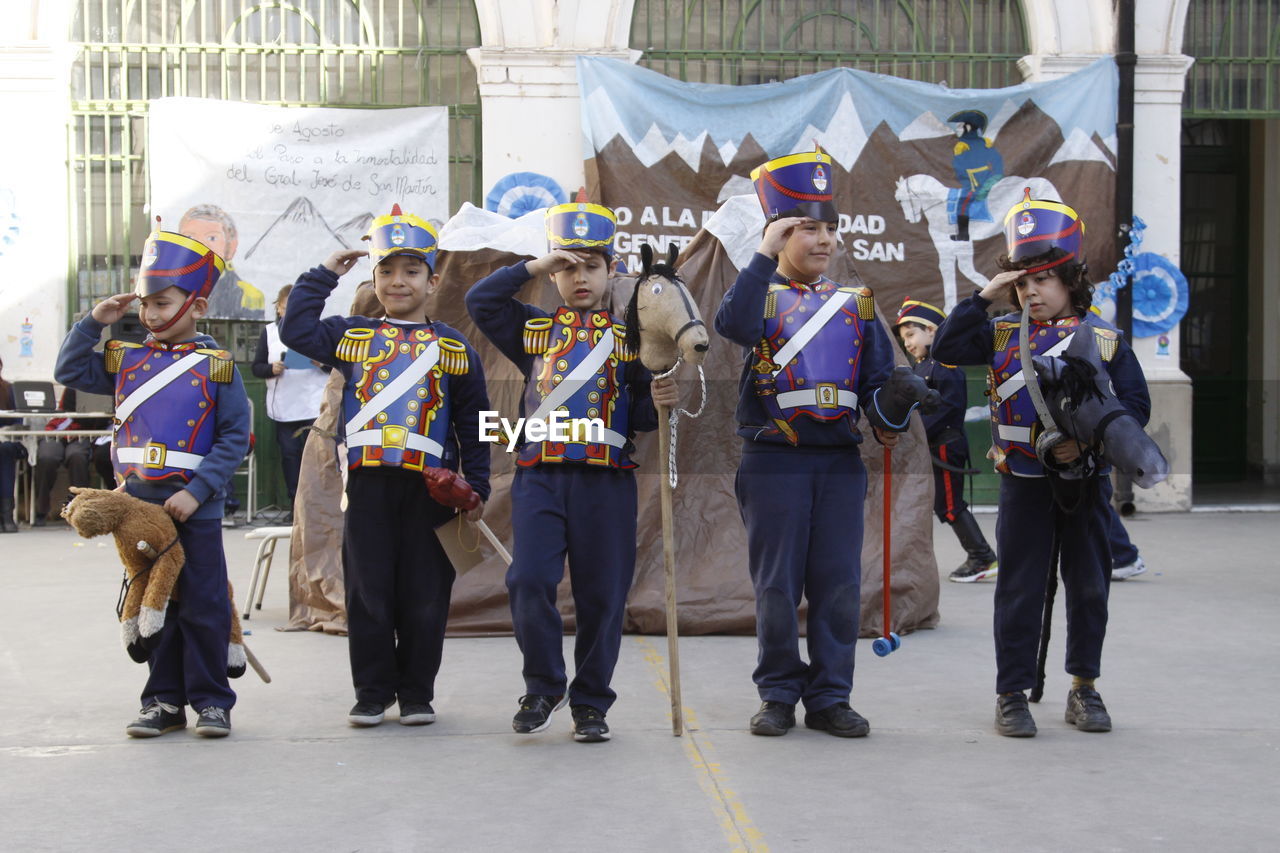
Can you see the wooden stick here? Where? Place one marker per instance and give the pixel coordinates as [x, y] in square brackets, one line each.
[669, 558]
[494, 541]
[253, 662]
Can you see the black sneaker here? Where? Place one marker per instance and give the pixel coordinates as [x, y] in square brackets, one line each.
[535, 713]
[416, 713]
[213, 722]
[973, 570]
[366, 714]
[157, 719]
[1013, 716]
[589, 725]
[1086, 712]
[838, 719]
[773, 719]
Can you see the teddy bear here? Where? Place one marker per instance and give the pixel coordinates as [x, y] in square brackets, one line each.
[152, 555]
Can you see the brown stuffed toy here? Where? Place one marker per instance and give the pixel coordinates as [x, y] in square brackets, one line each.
[152, 555]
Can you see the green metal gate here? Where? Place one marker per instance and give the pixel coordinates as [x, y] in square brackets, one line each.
[1236, 46]
[352, 53]
[963, 43]
[299, 53]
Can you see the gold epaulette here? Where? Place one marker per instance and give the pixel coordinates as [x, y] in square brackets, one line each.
[771, 301]
[987, 140]
[620, 350]
[1108, 342]
[1004, 331]
[221, 365]
[866, 301]
[114, 352]
[453, 356]
[354, 345]
[961, 147]
[537, 335]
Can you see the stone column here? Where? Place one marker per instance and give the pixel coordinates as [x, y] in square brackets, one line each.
[531, 117]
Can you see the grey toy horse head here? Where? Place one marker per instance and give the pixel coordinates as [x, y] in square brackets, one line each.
[663, 323]
[1082, 400]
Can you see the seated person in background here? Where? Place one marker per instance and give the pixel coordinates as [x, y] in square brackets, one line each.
[52, 453]
[10, 453]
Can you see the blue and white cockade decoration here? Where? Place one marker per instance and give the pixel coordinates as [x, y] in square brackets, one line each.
[1160, 292]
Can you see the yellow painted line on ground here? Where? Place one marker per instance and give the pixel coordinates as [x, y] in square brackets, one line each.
[738, 828]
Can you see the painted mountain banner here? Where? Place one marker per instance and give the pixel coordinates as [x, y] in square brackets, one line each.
[922, 174]
[276, 190]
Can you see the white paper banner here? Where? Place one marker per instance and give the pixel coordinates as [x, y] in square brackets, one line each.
[276, 190]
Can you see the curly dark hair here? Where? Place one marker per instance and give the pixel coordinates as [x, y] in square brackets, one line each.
[1074, 275]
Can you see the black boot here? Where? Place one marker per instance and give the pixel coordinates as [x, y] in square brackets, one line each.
[981, 564]
[7, 524]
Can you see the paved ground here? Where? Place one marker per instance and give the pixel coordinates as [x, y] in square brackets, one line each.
[1190, 678]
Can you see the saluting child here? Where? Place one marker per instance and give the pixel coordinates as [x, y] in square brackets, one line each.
[815, 355]
[1055, 504]
[412, 399]
[181, 429]
[574, 497]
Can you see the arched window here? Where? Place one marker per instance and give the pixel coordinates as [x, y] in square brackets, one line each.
[962, 43]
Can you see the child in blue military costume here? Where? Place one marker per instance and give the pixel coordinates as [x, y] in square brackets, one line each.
[815, 356]
[944, 428]
[181, 428]
[1055, 503]
[412, 398]
[575, 496]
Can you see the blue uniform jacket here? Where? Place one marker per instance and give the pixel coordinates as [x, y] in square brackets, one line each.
[741, 320]
[949, 382]
[304, 331]
[501, 317]
[80, 367]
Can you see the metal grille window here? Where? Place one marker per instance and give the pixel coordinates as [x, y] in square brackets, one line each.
[357, 53]
[962, 43]
[1236, 45]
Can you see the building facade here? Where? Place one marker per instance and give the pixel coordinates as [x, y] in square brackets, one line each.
[77, 76]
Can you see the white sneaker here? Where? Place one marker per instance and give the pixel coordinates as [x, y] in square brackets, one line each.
[1129, 570]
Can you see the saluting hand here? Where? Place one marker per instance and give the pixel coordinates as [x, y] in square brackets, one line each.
[1000, 289]
[554, 261]
[776, 235]
[342, 261]
[113, 308]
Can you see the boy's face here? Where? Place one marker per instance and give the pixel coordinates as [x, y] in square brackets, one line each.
[159, 308]
[1047, 295]
[403, 283]
[808, 251]
[212, 234]
[916, 339]
[583, 285]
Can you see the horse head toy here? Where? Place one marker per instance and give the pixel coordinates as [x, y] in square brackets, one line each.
[662, 320]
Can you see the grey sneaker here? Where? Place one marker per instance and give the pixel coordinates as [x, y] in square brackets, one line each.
[1128, 570]
[1013, 716]
[972, 571]
[1086, 712]
[213, 722]
[156, 719]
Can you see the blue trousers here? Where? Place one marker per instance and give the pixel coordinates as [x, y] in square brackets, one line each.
[1123, 551]
[1026, 527]
[189, 667]
[803, 513]
[398, 585]
[588, 514]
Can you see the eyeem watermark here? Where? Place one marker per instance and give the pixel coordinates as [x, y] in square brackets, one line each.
[558, 426]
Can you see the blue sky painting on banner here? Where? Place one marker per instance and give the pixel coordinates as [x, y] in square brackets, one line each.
[921, 197]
